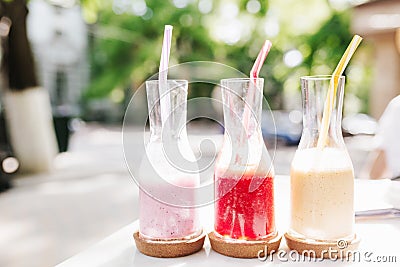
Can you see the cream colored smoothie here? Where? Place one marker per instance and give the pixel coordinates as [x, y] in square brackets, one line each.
[322, 185]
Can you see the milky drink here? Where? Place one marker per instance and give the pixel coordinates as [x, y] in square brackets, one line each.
[322, 186]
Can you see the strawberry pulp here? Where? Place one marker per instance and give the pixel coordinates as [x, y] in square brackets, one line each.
[244, 208]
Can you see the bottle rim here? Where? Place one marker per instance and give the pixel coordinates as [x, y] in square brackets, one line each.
[321, 77]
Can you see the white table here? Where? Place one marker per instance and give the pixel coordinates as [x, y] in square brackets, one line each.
[379, 237]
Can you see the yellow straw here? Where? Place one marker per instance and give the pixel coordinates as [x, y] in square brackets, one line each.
[330, 98]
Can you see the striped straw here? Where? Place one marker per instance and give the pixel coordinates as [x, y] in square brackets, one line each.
[163, 73]
[262, 55]
[255, 70]
[330, 98]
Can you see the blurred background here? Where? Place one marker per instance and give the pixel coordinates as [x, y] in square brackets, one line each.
[70, 67]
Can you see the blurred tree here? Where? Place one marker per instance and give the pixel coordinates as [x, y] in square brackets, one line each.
[327, 45]
[126, 39]
[127, 47]
[18, 66]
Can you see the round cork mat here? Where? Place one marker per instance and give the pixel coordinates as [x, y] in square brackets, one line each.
[340, 249]
[169, 249]
[244, 249]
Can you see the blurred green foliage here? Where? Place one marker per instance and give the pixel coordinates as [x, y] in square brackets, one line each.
[125, 48]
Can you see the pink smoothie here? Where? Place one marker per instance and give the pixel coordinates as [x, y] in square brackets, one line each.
[159, 220]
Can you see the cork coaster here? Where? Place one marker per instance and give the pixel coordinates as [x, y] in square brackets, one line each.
[169, 249]
[244, 249]
[340, 249]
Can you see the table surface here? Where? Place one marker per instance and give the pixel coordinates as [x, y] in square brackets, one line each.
[379, 238]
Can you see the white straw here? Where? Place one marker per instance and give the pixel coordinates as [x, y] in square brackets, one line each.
[163, 73]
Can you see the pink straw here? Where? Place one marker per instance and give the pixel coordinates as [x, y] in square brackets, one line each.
[163, 72]
[262, 55]
[255, 70]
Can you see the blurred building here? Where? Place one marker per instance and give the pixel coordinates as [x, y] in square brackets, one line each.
[379, 22]
[58, 35]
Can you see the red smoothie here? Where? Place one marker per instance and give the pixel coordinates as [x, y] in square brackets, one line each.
[244, 208]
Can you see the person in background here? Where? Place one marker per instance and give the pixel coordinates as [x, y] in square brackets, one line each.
[385, 160]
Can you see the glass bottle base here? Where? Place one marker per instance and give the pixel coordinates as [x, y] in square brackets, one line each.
[156, 239]
[327, 249]
[239, 248]
[244, 238]
[169, 248]
[306, 239]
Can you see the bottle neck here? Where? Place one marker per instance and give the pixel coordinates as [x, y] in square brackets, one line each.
[242, 105]
[173, 123]
[243, 150]
[314, 92]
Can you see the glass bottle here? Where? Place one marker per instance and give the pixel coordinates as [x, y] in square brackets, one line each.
[168, 176]
[244, 175]
[322, 178]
